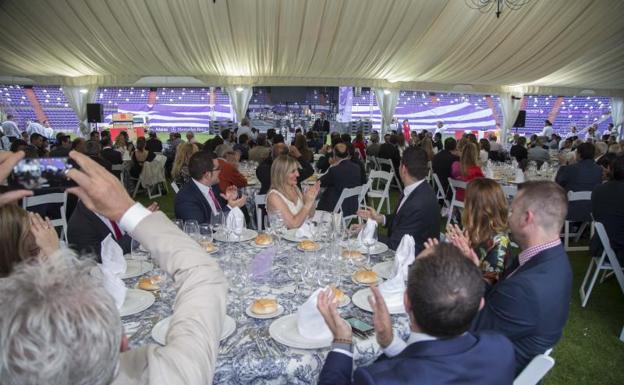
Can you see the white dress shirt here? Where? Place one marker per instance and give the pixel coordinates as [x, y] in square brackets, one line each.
[398, 345]
[10, 129]
[547, 131]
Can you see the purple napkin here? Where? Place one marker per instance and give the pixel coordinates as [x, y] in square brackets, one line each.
[262, 263]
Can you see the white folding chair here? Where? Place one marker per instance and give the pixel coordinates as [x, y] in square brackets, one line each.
[52, 198]
[381, 162]
[174, 187]
[454, 184]
[371, 163]
[535, 370]
[576, 196]
[622, 335]
[382, 194]
[346, 194]
[121, 169]
[607, 261]
[152, 177]
[260, 199]
[439, 190]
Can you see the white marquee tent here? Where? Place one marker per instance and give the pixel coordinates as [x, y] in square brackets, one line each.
[562, 47]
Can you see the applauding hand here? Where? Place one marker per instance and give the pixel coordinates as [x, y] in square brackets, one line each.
[370, 213]
[460, 239]
[327, 306]
[44, 233]
[381, 318]
[231, 196]
[311, 193]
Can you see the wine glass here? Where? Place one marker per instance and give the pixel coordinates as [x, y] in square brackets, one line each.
[191, 228]
[179, 223]
[205, 235]
[239, 227]
[216, 220]
[369, 241]
[138, 253]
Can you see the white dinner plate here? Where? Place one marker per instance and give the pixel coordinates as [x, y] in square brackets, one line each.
[284, 330]
[279, 311]
[159, 332]
[136, 301]
[378, 248]
[291, 235]
[360, 299]
[136, 268]
[247, 235]
[384, 269]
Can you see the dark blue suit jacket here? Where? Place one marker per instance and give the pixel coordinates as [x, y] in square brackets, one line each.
[190, 203]
[530, 307]
[485, 359]
[581, 176]
[419, 217]
[345, 174]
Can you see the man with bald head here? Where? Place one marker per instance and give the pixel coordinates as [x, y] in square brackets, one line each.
[263, 172]
[341, 174]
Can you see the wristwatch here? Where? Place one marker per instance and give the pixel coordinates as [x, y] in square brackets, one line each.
[343, 345]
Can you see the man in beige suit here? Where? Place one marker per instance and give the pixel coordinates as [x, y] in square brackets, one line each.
[58, 325]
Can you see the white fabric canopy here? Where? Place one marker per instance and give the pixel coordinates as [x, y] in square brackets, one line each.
[77, 98]
[510, 105]
[240, 97]
[387, 101]
[548, 46]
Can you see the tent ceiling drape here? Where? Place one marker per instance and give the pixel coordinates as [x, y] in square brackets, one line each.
[552, 46]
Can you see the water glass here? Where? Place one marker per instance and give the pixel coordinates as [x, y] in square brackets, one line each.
[179, 223]
[205, 235]
[138, 253]
[217, 220]
[369, 242]
[191, 228]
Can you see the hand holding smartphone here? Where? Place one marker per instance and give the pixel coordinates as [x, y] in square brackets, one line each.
[40, 174]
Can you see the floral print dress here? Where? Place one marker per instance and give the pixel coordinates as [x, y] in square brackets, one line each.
[495, 255]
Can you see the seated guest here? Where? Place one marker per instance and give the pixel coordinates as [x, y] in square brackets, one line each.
[538, 153]
[529, 305]
[263, 172]
[62, 148]
[139, 156]
[484, 151]
[373, 148]
[285, 196]
[427, 145]
[71, 305]
[519, 150]
[23, 237]
[153, 144]
[583, 175]
[485, 227]
[179, 171]
[260, 151]
[467, 167]
[92, 150]
[108, 153]
[94, 135]
[229, 174]
[314, 144]
[243, 146]
[200, 196]
[444, 293]
[443, 160]
[38, 143]
[389, 150]
[608, 209]
[341, 174]
[79, 145]
[418, 213]
[437, 142]
[302, 146]
[606, 163]
[87, 229]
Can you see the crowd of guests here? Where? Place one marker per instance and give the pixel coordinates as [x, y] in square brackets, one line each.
[471, 300]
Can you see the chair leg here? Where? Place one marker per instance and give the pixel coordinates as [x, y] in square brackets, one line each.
[388, 205]
[136, 189]
[622, 335]
[566, 235]
[380, 205]
[450, 216]
[586, 293]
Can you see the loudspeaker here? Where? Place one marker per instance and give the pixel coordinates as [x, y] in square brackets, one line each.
[95, 112]
[521, 119]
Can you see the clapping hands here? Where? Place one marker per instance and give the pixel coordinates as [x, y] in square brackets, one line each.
[231, 196]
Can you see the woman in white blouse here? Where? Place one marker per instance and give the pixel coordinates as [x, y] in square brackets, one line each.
[285, 196]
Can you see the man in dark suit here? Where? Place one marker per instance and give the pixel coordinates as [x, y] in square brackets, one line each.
[321, 124]
[418, 213]
[263, 171]
[93, 149]
[153, 144]
[200, 196]
[529, 305]
[444, 292]
[389, 150]
[583, 175]
[341, 174]
[442, 161]
[86, 230]
[519, 150]
[62, 148]
[608, 209]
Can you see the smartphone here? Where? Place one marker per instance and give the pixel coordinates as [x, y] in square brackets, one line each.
[360, 327]
[39, 174]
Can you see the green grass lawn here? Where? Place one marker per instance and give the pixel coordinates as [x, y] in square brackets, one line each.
[589, 351]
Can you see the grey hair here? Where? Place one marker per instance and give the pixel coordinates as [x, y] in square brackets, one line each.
[57, 324]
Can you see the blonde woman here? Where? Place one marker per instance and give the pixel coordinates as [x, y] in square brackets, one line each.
[285, 196]
[180, 171]
[467, 168]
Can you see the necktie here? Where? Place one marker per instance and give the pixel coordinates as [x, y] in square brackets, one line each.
[214, 199]
[116, 230]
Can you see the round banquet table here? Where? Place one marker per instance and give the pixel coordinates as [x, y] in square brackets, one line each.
[250, 355]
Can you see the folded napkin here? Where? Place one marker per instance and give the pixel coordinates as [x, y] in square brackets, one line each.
[310, 322]
[305, 231]
[262, 263]
[489, 173]
[367, 231]
[113, 264]
[519, 176]
[514, 163]
[404, 256]
[392, 291]
[235, 221]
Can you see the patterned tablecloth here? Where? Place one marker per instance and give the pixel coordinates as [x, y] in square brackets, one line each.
[250, 355]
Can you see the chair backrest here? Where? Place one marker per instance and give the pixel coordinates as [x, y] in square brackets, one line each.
[574, 196]
[440, 193]
[385, 162]
[259, 199]
[346, 194]
[175, 187]
[52, 198]
[382, 175]
[510, 191]
[535, 370]
[613, 259]
[454, 184]
[117, 167]
[580, 209]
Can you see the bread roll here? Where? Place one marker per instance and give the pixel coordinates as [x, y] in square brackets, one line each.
[308, 245]
[339, 295]
[149, 283]
[264, 306]
[208, 246]
[365, 276]
[264, 239]
[352, 254]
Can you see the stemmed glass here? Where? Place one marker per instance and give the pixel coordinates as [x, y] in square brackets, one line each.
[205, 235]
[239, 281]
[191, 228]
[276, 222]
[216, 220]
[239, 227]
[138, 253]
[369, 241]
[179, 223]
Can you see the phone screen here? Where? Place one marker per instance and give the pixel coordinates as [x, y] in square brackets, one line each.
[41, 174]
[359, 326]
